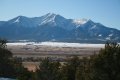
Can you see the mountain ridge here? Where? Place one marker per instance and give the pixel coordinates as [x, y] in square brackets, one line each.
[55, 27]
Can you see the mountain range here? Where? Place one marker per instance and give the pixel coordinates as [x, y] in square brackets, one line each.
[54, 27]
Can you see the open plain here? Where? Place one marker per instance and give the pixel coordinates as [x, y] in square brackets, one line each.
[52, 49]
[32, 53]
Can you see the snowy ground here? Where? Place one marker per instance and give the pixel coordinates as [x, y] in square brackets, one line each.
[58, 44]
[6, 79]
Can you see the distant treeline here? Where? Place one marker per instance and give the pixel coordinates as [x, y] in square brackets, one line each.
[102, 66]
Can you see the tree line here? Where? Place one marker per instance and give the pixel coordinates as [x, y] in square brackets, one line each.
[102, 66]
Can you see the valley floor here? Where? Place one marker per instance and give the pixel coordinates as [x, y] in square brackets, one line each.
[31, 53]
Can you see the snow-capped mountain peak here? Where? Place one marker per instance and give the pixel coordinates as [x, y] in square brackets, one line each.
[53, 19]
[17, 19]
[80, 21]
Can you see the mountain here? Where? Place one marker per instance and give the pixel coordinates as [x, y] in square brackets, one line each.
[54, 27]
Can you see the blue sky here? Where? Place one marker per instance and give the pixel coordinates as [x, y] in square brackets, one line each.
[106, 12]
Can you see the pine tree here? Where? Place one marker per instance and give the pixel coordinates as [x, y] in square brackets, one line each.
[49, 70]
[106, 65]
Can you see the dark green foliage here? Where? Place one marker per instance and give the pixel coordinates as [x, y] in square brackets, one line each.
[10, 67]
[102, 66]
[69, 69]
[21, 72]
[83, 70]
[3, 43]
[48, 70]
[106, 65]
[6, 67]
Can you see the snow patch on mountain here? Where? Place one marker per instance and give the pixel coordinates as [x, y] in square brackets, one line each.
[100, 35]
[107, 38]
[93, 27]
[48, 18]
[110, 35]
[17, 20]
[80, 21]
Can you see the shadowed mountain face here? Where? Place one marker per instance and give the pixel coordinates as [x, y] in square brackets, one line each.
[55, 27]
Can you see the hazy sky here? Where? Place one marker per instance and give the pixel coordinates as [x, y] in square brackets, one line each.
[106, 12]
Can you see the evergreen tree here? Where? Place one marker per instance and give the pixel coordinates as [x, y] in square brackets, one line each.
[106, 65]
[6, 67]
[9, 66]
[83, 70]
[69, 69]
[48, 70]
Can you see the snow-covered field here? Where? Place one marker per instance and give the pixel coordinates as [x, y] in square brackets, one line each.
[58, 44]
